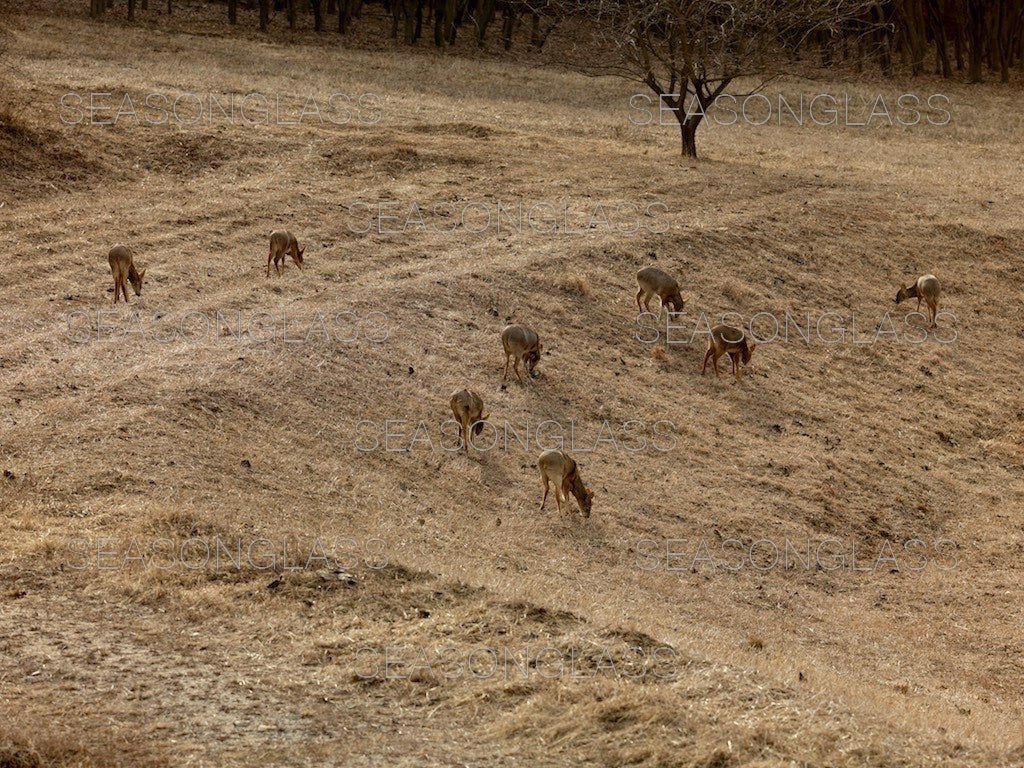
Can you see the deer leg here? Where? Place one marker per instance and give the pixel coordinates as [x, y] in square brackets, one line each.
[515, 367]
[639, 293]
[544, 482]
[507, 357]
[566, 492]
[707, 356]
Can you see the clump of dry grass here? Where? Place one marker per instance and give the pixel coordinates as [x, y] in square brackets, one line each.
[575, 283]
[42, 746]
[737, 292]
[397, 151]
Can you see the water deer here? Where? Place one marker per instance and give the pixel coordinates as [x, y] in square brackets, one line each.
[651, 282]
[927, 288]
[728, 340]
[282, 243]
[522, 344]
[468, 408]
[123, 269]
[561, 469]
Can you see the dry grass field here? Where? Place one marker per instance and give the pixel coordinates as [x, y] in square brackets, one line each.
[162, 430]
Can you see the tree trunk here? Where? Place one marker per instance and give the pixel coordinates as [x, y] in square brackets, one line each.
[1003, 39]
[482, 17]
[825, 46]
[460, 12]
[413, 18]
[976, 37]
[439, 10]
[884, 20]
[914, 26]
[508, 27]
[232, 11]
[939, 34]
[131, 10]
[688, 133]
[318, 15]
[450, 10]
[291, 14]
[543, 33]
[264, 15]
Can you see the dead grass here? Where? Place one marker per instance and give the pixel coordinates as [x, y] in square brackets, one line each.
[208, 436]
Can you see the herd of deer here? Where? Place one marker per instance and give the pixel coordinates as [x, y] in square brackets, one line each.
[522, 345]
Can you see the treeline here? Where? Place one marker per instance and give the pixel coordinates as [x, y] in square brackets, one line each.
[952, 38]
[940, 36]
[441, 19]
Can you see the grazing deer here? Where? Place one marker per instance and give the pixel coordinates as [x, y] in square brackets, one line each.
[559, 468]
[123, 269]
[282, 243]
[468, 408]
[927, 288]
[726, 339]
[653, 282]
[525, 345]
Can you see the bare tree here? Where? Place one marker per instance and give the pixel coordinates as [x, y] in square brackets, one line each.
[977, 34]
[348, 10]
[688, 52]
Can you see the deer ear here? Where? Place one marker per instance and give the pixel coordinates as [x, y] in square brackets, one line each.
[142, 274]
[484, 417]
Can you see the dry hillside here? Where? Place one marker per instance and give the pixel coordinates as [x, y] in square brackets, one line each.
[157, 427]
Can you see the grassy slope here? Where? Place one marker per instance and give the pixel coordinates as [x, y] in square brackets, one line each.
[142, 439]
